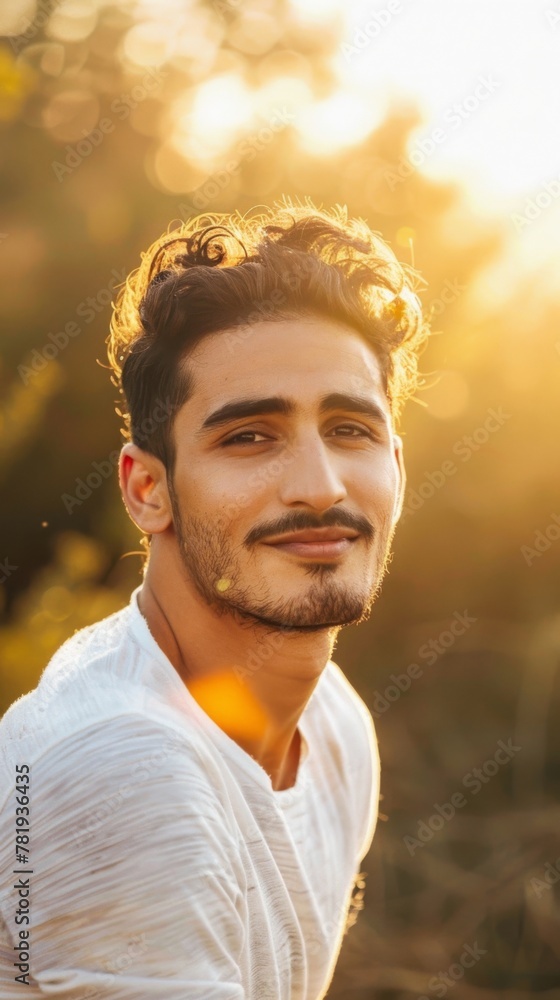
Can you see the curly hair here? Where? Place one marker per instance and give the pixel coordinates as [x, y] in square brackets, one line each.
[220, 272]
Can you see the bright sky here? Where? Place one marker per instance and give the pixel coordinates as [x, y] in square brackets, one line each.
[503, 137]
[485, 73]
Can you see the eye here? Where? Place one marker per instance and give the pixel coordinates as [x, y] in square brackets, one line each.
[362, 431]
[236, 438]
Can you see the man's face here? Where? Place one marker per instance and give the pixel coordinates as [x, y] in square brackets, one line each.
[301, 457]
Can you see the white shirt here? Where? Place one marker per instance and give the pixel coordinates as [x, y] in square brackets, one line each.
[162, 863]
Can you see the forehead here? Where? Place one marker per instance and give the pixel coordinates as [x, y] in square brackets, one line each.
[303, 358]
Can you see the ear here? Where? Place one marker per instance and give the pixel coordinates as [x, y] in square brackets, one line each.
[143, 483]
[398, 445]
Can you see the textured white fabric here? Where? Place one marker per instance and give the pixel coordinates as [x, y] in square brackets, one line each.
[164, 863]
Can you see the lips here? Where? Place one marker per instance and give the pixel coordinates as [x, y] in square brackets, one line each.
[316, 543]
[310, 535]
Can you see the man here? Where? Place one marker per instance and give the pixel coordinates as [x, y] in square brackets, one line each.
[199, 780]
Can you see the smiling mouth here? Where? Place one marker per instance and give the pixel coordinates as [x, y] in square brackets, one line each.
[319, 543]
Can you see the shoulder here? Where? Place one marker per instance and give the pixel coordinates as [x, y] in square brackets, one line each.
[134, 763]
[70, 695]
[104, 704]
[129, 785]
[129, 835]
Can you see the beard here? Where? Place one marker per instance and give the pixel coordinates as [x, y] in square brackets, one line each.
[215, 566]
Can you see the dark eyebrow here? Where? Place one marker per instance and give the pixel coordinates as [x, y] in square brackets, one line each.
[247, 408]
[354, 404]
[242, 408]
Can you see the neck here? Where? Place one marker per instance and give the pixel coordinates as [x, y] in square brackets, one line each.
[253, 681]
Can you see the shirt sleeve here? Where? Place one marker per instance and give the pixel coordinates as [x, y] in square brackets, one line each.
[137, 889]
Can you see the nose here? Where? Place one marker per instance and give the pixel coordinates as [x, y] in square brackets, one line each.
[312, 477]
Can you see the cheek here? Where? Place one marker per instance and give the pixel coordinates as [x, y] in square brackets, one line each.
[379, 489]
[231, 500]
[247, 489]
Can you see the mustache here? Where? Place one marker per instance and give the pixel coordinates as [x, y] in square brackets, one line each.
[300, 521]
